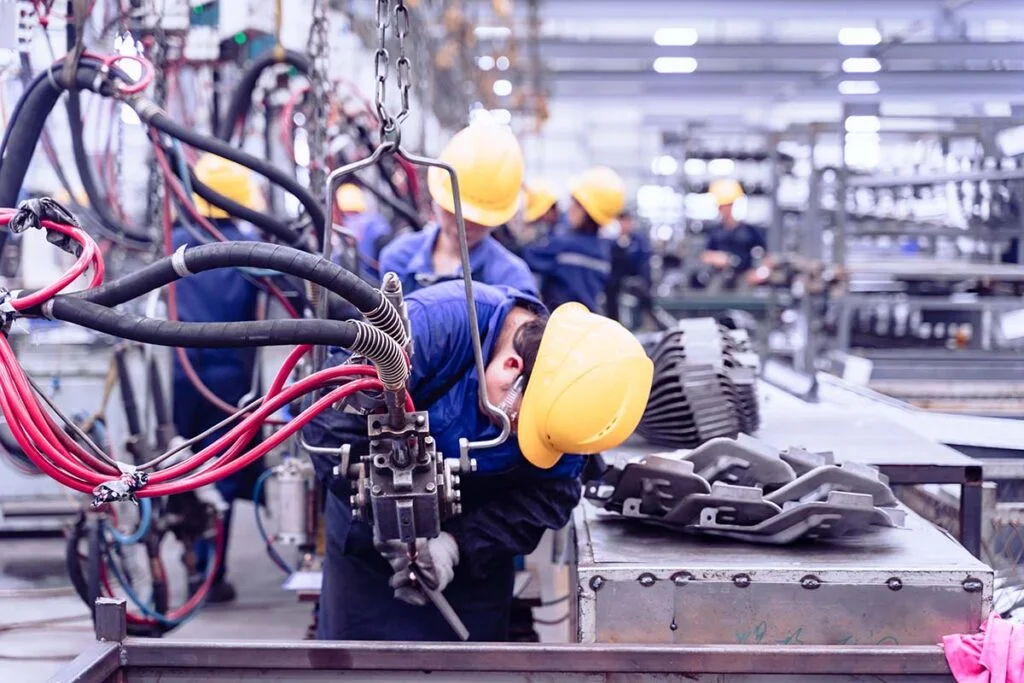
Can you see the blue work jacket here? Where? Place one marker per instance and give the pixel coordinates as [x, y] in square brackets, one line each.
[572, 266]
[371, 230]
[740, 241]
[411, 258]
[507, 503]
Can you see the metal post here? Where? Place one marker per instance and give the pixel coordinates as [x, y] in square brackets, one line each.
[1020, 243]
[111, 620]
[972, 510]
[839, 237]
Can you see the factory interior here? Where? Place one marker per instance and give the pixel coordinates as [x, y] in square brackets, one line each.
[512, 340]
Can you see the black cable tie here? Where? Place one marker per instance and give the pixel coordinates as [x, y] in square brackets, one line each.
[119, 490]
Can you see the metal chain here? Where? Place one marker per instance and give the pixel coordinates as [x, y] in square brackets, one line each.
[382, 64]
[155, 186]
[319, 84]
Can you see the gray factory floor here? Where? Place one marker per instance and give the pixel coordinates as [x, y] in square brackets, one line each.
[28, 655]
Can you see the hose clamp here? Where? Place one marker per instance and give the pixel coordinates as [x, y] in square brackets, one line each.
[47, 309]
[178, 262]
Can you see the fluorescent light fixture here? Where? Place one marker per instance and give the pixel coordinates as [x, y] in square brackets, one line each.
[861, 65]
[503, 63]
[863, 124]
[858, 88]
[721, 166]
[492, 32]
[859, 36]
[503, 116]
[502, 88]
[664, 165]
[997, 109]
[695, 167]
[675, 36]
[675, 65]
[486, 62]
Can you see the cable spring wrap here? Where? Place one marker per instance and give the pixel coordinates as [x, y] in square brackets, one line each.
[386, 319]
[384, 352]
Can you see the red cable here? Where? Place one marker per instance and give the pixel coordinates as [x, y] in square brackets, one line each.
[90, 256]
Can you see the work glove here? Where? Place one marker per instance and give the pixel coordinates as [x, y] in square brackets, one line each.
[437, 558]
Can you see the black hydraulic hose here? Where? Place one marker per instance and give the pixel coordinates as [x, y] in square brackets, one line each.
[268, 224]
[241, 99]
[131, 406]
[156, 117]
[156, 390]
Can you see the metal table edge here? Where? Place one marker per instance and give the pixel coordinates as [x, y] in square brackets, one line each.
[96, 664]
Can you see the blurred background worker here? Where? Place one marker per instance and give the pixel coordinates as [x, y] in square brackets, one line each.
[489, 164]
[369, 229]
[734, 249]
[560, 383]
[574, 265]
[631, 266]
[541, 216]
[222, 295]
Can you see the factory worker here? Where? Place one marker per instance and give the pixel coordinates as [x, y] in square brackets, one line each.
[631, 264]
[223, 295]
[573, 265]
[369, 229]
[574, 383]
[540, 210]
[489, 164]
[732, 245]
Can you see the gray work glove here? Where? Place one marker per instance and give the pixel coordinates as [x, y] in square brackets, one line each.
[437, 558]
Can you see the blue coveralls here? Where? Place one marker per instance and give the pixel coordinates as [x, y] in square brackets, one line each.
[572, 266]
[222, 295]
[507, 503]
[371, 230]
[739, 241]
[410, 256]
[631, 258]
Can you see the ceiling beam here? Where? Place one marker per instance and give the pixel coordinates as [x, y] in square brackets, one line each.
[646, 50]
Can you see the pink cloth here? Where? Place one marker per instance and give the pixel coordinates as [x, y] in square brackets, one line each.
[995, 655]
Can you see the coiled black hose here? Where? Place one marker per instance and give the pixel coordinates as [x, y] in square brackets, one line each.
[241, 99]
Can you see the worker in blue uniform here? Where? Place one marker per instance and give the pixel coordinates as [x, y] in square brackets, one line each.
[223, 295]
[574, 265]
[734, 249]
[369, 230]
[541, 216]
[631, 266]
[489, 164]
[576, 382]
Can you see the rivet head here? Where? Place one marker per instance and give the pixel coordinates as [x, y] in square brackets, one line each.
[376, 490]
[972, 585]
[894, 584]
[597, 582]
[682, 578]
[647, 579]
[810, 582]
[430, 487]
[741, 580]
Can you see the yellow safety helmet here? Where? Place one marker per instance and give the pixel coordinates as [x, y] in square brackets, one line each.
[588, 390]
[725, 191]
[601, 193]
[80, 198]
[350, 198]
[227, 178]
[489, 163]
[538, 200]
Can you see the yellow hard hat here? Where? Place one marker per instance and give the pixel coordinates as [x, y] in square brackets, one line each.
[725, 191]
[588, 390]
[601, 194]
[350, 198]
[489, 162]
[538, 200]
[81, 198]
[227, 178]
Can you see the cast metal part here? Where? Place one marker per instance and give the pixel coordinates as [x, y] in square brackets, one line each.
[854, 477]
[650, 487]
[743, 461]
[726, 504]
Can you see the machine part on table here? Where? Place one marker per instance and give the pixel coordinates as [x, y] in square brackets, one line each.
[293, 478]
[718, 489]
[704, 384]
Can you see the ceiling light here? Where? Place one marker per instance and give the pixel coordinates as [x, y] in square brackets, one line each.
[503, 116]
[997, 109]
[664, 165]
[858, 88]
[502, 88]
[859, 36]
[695, 167]
[863, 124]
[492, 32]
[486, 63]
[675, 65]
[861, 65]
[675, 36]
[721, 166]
[503, 63]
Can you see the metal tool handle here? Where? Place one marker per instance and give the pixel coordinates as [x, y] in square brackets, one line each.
[440, 602]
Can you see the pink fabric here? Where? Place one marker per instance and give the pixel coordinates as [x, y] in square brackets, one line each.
[995, 655]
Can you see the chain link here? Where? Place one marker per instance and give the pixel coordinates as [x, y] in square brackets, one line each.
[382, 64]
[319, 84]
[403, 66]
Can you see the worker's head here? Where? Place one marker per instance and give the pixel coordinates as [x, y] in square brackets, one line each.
[540, 203]
[350, 199]
[726, 192]
[585, 382]
[626, 222]
[489, 164]
[228, 179]
[598, 196]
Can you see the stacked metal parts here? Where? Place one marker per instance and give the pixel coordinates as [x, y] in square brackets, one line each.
[744, 489]
[704, 385]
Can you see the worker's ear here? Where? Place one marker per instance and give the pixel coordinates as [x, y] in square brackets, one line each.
[512, 363]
